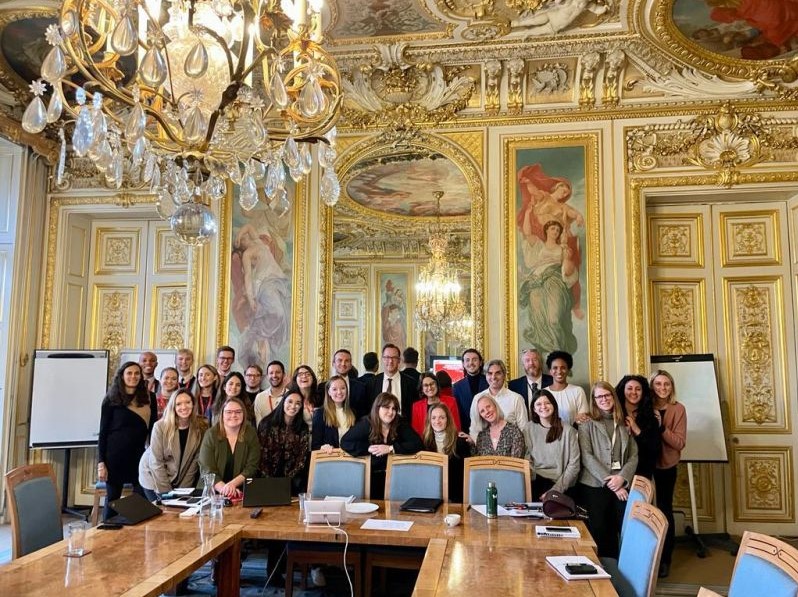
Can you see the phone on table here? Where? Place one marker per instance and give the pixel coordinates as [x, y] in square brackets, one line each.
[109, 526]
[580, 569]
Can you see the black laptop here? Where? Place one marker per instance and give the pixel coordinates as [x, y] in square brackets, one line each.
[133, 509]
[419, 504]
[267, 491]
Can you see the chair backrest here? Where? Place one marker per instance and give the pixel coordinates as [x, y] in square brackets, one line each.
[641, 489]
[511, 475]
[638, 561]
[425, 474]
[338, 473]
[764, 566]
[33, 507]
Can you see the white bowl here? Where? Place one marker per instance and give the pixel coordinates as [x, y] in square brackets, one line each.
[451, 520]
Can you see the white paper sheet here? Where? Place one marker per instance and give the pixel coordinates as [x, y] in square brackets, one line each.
[387, 525]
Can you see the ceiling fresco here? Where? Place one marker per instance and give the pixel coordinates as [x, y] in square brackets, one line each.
[747, 30]
[360, 19]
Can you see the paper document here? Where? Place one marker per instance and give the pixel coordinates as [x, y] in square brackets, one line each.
[387, 525]
[560, 562]
[340, 498]
[558, 532]
[530, 510]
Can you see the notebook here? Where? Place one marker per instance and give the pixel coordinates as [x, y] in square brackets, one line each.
[267, 491]
[417, 504]
[133, 509]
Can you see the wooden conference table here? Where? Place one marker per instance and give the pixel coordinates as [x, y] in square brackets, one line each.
[502, 556]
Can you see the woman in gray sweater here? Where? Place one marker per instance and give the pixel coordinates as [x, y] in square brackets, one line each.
[552, 448]
[609, 460]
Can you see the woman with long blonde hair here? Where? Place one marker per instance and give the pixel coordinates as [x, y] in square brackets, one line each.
[334, 419]
[441, 435]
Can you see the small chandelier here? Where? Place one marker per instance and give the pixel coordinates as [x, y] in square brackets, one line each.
[188, 97]
[438, 302]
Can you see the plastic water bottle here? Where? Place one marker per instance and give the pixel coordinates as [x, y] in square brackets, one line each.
[492, 500]
[208, 481]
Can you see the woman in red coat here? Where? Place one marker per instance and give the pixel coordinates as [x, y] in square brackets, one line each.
[430, 395]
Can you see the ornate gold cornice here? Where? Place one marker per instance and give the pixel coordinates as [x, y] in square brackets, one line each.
[12, 130]
[726, 142]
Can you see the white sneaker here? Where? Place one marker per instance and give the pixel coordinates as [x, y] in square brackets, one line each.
[317, 577]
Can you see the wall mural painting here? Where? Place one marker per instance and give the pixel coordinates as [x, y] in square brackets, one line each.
[393, 307]
[748, 29]
[371, 18]
[261, 271]
[549, 220]
[403, 183]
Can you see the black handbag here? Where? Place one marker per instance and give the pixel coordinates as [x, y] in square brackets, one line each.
[559, 506]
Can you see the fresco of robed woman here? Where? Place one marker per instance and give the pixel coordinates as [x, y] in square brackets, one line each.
[549, 285]
[393, 312]
[261, 291]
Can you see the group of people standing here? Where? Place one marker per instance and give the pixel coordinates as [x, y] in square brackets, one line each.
[223, 423]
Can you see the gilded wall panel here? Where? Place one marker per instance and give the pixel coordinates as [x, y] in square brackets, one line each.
[471, 142]
[77, 260]
[678, 316]
[763, 484]
[113, 327]
[676, 240]
[170, 254]
[750, 238]
[117, 251]
[704, 491]
[793, 234]
[756, 355]
[169, 308]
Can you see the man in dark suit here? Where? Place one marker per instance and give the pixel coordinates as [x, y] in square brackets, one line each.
[410, 364]
[471, 385]
[533, 379]
[342, 365]
[391, 380]
[371, 364]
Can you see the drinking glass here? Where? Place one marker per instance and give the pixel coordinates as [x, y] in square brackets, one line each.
[76, 538]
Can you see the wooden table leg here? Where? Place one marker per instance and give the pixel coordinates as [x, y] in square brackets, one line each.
[228, 578]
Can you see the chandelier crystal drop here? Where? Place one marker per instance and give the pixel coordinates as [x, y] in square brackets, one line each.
[185, 95]
[438, 302]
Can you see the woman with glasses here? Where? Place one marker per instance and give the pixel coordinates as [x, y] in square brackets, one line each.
[382, 433]
[171, 459]
[305, 382]
[230, 449]
[609, 460]
[430, 395]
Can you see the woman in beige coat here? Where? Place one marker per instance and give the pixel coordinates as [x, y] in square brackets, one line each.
[171, 459]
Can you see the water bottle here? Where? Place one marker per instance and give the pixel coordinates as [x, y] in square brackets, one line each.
[208, 481]
[492, 500]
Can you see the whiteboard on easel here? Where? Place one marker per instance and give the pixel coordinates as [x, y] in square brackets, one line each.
[696, 386]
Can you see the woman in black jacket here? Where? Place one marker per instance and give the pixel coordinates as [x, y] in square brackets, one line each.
[127, 415]
[382, 433]
[638, 410]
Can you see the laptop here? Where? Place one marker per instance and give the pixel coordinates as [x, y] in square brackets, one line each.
[267, 491]
[133, 509]
[418, 504]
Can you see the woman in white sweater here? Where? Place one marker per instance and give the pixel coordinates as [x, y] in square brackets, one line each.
[171, 459]
[552, 448]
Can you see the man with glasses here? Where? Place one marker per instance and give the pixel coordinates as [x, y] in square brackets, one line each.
[393, 382]
[533, 379]
[268, 399]
[225, 357]
[253, 375]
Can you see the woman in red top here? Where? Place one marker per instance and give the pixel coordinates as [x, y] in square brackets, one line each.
[672, 418]
[430, 395]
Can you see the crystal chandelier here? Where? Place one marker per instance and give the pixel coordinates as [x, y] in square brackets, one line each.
[187, 97]
[438, 302]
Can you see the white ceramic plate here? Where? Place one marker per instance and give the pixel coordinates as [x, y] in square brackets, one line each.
[361, 508]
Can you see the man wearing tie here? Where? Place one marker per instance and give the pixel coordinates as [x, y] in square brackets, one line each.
[533, 379]
[185, 369]
[393, 382]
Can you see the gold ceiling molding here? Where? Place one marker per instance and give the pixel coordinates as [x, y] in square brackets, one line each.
[396, 93]
[471, 142]
[777, 76]
[726, 142]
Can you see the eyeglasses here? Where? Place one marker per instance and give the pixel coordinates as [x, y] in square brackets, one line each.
[253, 375]
[603, 397]
[234, 412]
[302, 373]
[225, 359]
[389, 358]
[429, 385]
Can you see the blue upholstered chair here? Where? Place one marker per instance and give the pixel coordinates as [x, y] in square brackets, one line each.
[511, 475]
[634, 573]
[425, 474]
[34, 508]
[641, 489]
[764, 566]
[339, 474]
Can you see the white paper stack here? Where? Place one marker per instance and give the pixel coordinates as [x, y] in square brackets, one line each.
[557, 532]
[560, 562]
